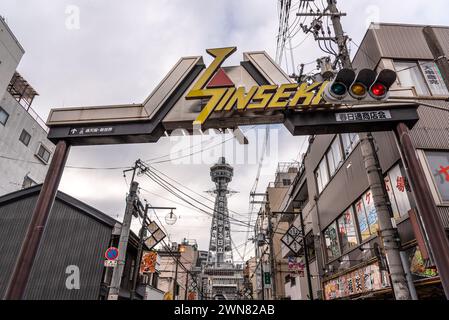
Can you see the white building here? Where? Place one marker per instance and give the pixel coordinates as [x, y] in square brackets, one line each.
[25, 151]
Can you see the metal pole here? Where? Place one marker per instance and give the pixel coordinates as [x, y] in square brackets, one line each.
[187, 284]
[306, 255]
[123, 242]
[411, 285]
[175, 280]
[139, 253]
[33, 237]
[432, 224]
[272, 256]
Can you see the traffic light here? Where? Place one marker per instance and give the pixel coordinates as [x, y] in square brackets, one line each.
[364, 87]
[267, 278]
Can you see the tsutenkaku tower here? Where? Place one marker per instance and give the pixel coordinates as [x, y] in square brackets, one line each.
[220, 249]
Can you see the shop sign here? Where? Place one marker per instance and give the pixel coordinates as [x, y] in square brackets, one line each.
[361, 281]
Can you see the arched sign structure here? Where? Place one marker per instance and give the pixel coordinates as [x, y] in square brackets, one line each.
[194, 98]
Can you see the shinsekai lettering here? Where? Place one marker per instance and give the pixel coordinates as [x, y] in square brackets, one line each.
[266, 97]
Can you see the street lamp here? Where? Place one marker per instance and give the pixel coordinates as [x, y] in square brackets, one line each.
[171, 218]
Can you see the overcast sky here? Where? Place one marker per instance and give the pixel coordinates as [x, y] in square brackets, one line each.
[119, 52]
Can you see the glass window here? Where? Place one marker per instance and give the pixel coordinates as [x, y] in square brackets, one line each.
[43, 154]
[349, 140]
[3, 116]
[410, 75]
[331, 240]
[322, 175]
[362, 219]
[399, 192]
[391, 197]
[334, 156]
[286, 182]
[347, 231]
[439, 167]
[433, 77]
[25, 137]
[371, 212]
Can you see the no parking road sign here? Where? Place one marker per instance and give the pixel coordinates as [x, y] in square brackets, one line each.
[111, 256]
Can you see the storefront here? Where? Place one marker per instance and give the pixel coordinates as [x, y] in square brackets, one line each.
[361, 281]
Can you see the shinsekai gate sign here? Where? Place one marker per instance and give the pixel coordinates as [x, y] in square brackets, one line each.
[193, 97]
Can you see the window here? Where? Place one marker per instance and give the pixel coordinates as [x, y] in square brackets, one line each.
[286, 182]
[347, 230]
[434, 80]
[362, 219]
[438, 162]
[334, 156]
[399, 192]
[25, 137]
[322, 175]
[349, 140]
[331, 241]
[410, 75]
[371, 212]
[3, 116]
[366, 216]
[43, 154]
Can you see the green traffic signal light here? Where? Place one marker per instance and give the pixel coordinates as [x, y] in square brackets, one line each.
[339, 89]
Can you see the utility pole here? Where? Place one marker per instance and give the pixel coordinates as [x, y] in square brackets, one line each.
[124, 238]
[139, 252]
[306, 254]
[272, 256]
[175, 280]
[187, 285]
[389, 236]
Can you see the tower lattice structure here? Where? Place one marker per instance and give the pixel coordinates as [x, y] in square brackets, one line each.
[220, 248]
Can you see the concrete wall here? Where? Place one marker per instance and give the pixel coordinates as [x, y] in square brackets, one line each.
[11, 53]
[14, 171]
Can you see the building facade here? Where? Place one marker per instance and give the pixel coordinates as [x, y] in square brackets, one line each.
[181, 263]
[270, 227]
[332, 189]
[25, 151]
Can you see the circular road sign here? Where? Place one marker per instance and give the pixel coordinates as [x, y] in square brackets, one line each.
[111, 253]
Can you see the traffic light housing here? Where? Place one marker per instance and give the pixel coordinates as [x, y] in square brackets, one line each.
[366, 86]
[267, 278]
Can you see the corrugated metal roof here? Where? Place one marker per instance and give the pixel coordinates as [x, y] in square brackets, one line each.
[85, 208]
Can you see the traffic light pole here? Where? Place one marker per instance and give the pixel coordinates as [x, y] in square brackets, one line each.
[389, 236]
